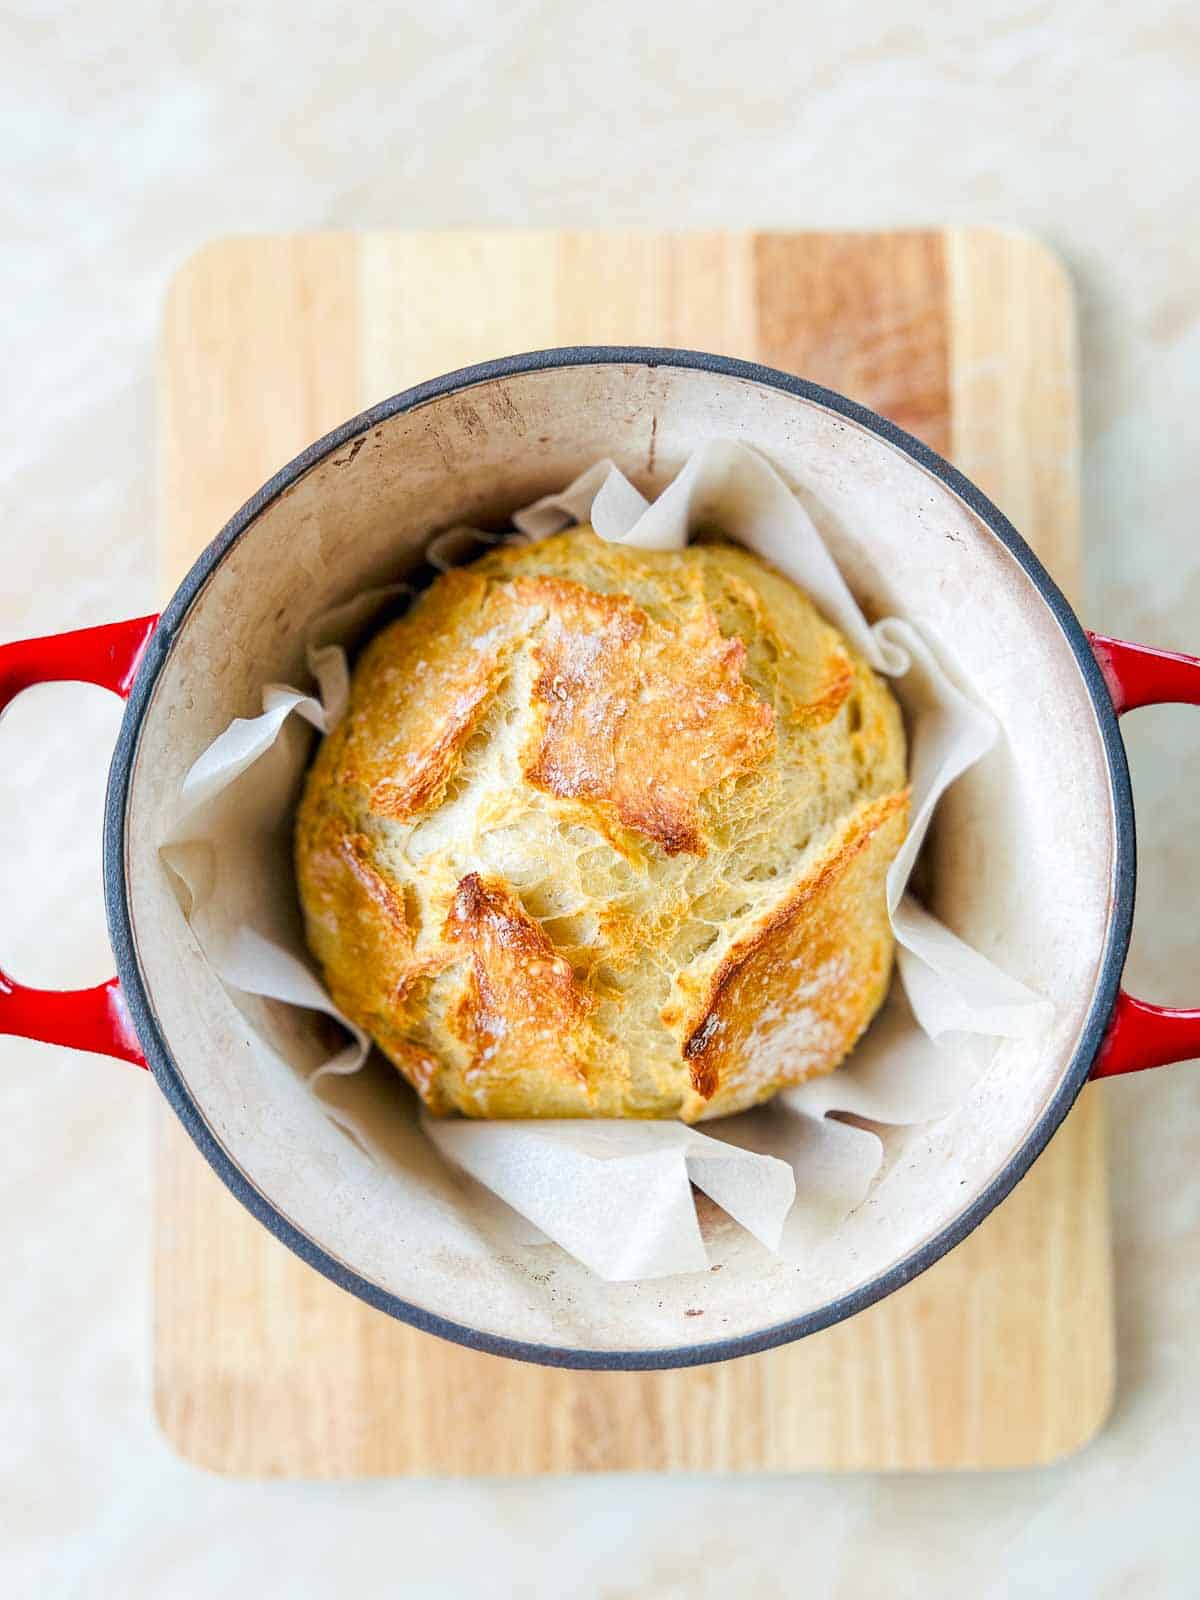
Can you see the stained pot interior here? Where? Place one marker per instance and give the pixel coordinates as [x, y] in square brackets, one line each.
[1022, 854]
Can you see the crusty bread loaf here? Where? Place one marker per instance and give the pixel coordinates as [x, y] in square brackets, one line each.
[604, 833]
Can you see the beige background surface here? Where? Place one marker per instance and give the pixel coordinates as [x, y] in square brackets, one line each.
[129, 138]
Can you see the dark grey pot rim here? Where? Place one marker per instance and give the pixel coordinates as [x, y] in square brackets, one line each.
[157, 1051]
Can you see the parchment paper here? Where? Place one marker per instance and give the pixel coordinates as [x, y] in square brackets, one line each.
[617, 1194]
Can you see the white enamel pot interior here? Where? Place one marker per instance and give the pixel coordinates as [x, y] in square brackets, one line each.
[1027, 854]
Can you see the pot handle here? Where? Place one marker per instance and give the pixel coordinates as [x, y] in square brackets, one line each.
[84, 1019]
[1141, 1035]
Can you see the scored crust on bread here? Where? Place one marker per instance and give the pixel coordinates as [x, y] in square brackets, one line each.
[521, 1007]
[789, 997]
[614, 727]
[416, 707]
[604, 832]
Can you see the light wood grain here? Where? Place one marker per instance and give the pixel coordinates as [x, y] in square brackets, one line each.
[1002, 1354]
[870, 323]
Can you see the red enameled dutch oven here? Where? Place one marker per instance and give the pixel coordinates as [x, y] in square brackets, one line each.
[1033, 853]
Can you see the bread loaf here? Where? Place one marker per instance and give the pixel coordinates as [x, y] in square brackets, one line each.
[604, 833]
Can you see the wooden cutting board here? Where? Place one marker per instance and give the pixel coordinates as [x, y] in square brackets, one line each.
[1002, 1354]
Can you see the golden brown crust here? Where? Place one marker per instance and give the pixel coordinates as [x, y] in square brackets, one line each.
[422, 690]
[603, 833]
[827, 697]
[638, 716]
[357, 919]
[812, 669]
[362, 926]
[796, 964]
[420, 1068]
[521, 1008]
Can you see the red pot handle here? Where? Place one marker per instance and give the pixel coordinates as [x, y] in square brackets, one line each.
[85, 1019]
[1141, 1035]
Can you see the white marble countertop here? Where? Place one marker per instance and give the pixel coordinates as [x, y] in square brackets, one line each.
[130, 135]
